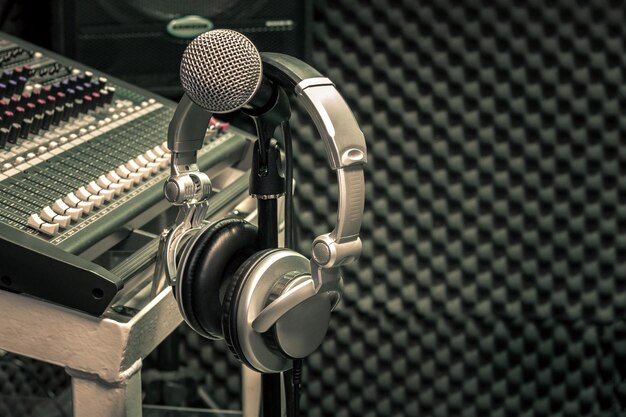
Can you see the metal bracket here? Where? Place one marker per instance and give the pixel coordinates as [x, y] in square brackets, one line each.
[189, 220]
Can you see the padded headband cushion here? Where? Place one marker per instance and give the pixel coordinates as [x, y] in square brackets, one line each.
[287, 71]
[231, 303]
[214, 256]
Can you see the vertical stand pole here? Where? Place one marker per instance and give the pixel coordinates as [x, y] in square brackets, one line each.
[267, 184]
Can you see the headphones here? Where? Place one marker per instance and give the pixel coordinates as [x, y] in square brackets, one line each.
[270, 306]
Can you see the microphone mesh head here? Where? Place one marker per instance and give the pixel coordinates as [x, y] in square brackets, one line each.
[221, 70]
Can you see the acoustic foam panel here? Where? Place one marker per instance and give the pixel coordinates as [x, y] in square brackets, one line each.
[493, 274]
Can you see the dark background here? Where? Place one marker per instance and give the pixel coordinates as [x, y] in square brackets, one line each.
[492, 281]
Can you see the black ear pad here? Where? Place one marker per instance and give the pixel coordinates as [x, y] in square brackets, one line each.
[214, 255]
[231, 302]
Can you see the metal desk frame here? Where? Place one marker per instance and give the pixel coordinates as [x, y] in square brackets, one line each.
[103, 356]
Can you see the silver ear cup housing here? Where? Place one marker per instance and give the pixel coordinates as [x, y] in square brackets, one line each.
[300, 331]
[297, 333]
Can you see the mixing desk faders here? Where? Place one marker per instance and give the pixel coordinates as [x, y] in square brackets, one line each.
[81, 156]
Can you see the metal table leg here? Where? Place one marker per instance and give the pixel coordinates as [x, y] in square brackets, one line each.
[102, 354]
[113, 400]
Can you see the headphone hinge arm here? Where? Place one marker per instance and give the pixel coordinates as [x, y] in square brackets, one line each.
[329, 253]
[190, 218]
[327, 280]
[282, 305]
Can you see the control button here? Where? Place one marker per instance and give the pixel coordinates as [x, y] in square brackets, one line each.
[150, 156]
[72, 200]
[25, 128]
[30, 155]
[126, 173]
[52, 145]
[116, 179]
[20, 114]
[21, 82]
[88, 103]
[14, 132]
[142, 160]
[4, 136]
[104, 96]
[145, 171]
[60, 207]
[158, 151]
[97, 99]
[85, 195]
[37, 223]
[12, 87]
[104, 182]
[7, 166]
[29, 110]
[155, 167]
[47, 119]
[50, 216]
[94, 188]
[19, 160]
[133, 165]
[117, 188]
[42, 149]
[114, 176]
[107, 194]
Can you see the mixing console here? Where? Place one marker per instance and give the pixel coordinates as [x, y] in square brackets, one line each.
[81, 156]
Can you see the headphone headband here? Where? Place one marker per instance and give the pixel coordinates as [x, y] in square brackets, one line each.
[346, 153]
[345, 150]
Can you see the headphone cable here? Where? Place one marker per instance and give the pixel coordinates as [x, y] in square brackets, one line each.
[289, 232]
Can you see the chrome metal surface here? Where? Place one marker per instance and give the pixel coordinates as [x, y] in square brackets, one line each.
[253, 298]
[221, 70]
[301, 329]
[283, 304]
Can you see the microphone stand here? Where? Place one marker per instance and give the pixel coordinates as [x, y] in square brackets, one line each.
[267, 184]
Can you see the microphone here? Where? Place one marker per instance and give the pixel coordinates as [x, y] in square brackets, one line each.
[222, 71]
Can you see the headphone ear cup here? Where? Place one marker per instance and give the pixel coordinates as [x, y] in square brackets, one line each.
[231, 301]
[215, 254]
[256, 283]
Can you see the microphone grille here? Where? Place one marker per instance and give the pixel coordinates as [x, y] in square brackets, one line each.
[221, 70]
